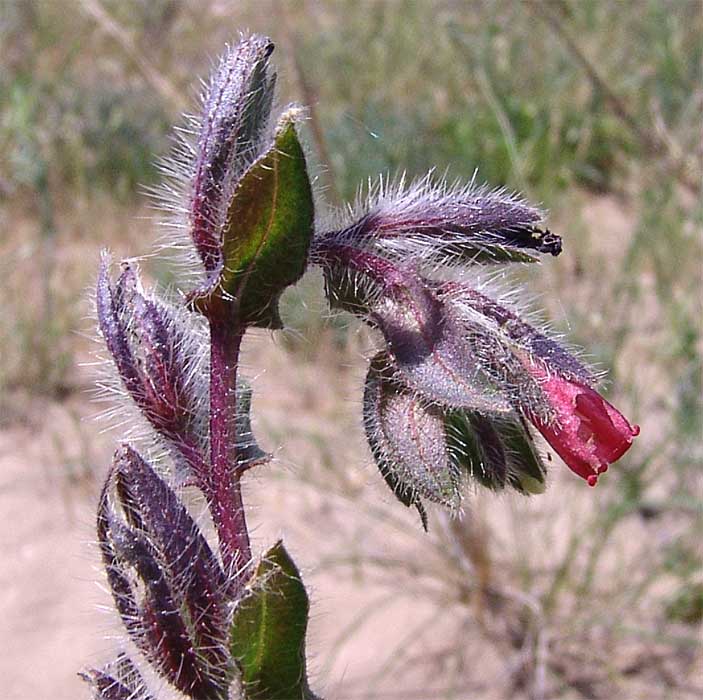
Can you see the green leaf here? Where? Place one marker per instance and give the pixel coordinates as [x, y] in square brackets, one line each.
[497, 451]
[267, 237]
[249, 453]
[268, 631]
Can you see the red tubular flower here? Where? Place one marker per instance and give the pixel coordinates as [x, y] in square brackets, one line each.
[587, 432]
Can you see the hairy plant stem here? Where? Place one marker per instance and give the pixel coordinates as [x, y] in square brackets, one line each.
[383, 271]
[222, 485]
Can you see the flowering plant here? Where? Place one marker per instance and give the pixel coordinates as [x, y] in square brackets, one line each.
[450, 398]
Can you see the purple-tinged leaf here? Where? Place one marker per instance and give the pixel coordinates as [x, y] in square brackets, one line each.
[408, 440]
[167, 585]
[235, 115]
[265, 242]
[120, 680]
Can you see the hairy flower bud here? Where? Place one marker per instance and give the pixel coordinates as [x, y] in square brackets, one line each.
[408, 440]
[437, 222]
[477, 307]
[236, 109]
[147, 348]
[166, 583]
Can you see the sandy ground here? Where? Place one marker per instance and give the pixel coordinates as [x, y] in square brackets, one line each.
[48, 594]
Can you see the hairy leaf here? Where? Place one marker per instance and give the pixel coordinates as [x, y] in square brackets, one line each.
[166, 583]
[267, 637]
[267, 235]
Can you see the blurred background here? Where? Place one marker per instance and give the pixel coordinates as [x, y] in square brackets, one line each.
[590, 107]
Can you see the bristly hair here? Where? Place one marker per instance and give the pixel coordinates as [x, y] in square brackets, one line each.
[438, 223]
[212, 150]
[190, 352]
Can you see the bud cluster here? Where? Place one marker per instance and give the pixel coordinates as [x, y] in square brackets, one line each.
[462, 375]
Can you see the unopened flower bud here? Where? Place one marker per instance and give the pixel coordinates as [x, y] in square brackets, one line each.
[147, 349]
[425, 341]
[455, 224]
[236, 110]
[166, 583]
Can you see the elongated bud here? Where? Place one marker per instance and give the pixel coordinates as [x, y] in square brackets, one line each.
[120, 680]
[408, 440]
[266, 237]
[429, 352]
[236, 110]
[147, 348]
[452, 223]
[166, 583]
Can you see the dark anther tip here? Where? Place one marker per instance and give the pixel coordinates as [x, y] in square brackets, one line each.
[551, 243]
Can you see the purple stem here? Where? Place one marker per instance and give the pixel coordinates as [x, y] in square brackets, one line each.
[222, 485]
[381, 270]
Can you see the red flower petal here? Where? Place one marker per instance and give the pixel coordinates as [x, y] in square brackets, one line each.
[587, 432]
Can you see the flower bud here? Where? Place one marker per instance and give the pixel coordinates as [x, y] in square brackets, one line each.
[166, 583]
[408, 440]
[146, 345]
[236, 110]
[450, 224]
